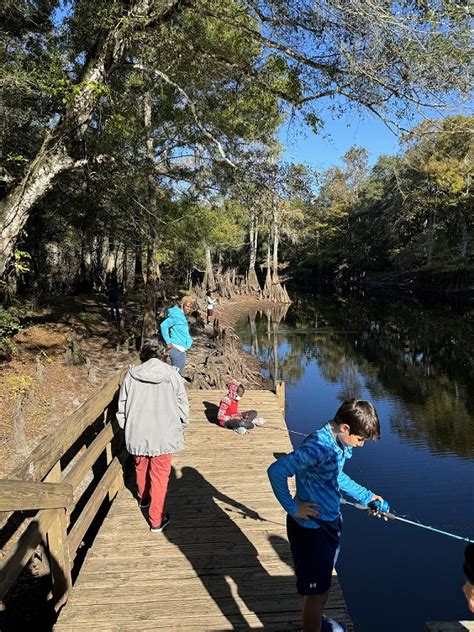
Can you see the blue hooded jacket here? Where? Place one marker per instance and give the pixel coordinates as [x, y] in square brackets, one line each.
[175, 328]
[317, 465]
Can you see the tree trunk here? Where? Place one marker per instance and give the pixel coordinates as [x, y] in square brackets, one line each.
[62, 142]
[85, 280]
[208, 281]
[464, 238]
[267, 290]
[111, 260]
[125, 268]
[149, 315]
[138, 274]
[431, 236]
[252, 281]
[276, 241]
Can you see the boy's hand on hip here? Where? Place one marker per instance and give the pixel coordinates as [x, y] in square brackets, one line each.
[307, 510]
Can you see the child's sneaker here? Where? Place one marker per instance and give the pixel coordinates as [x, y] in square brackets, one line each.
[331, 625]
[143, 503]
[163, 525]
[258, 421]
[240, 430]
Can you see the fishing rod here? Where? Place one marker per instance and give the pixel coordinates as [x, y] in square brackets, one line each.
[384, 510]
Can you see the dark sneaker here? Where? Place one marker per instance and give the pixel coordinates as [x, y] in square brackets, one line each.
[163, 525]
[331, 625]
[143, 503]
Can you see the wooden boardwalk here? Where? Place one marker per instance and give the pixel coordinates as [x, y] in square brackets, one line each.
[222, 564]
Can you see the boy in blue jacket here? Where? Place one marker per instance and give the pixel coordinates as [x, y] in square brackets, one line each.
[314, 520]
[175, 332]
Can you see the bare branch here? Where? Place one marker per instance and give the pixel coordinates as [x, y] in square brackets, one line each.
[192, 106]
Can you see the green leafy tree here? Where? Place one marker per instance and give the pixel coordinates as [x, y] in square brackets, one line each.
[386, 58]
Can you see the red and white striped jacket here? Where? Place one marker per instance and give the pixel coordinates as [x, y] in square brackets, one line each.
[229, 406]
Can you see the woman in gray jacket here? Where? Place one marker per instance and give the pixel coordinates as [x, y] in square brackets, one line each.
[153, 409]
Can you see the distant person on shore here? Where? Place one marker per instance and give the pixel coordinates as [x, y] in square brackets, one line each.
[228, 414]
[314, 519]
[175, 332]
[210, 302]
[468, 587]
[112, 291]
[153, 409]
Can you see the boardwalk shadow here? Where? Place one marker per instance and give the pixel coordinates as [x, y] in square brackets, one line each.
[211, 411]
[225, 560]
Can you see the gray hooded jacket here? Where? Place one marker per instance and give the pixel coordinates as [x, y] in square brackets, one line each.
[153, 408]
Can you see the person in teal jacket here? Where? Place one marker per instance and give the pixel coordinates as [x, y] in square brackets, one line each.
[175, 332]
[314, 520]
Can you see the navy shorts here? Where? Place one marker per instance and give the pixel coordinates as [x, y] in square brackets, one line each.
[314, 554]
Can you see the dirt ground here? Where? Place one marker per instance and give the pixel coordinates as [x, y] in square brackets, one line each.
[39, 387]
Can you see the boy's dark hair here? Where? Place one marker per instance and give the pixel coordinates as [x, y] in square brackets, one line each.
[361, 417]
[241, 388]
[152, 348]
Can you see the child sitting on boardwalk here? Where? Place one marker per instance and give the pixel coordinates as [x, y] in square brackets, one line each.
[314, 520]
[228, 414]
[153, 408]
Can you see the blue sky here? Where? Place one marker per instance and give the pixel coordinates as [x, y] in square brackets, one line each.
[325, 149]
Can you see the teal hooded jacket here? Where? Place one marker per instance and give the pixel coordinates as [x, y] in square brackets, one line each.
[175, 328]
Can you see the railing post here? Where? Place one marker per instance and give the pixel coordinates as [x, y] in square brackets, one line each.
[280, 393]
[118, 483]
[59, 558]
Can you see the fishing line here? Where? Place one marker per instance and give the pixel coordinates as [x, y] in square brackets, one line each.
[392, 516]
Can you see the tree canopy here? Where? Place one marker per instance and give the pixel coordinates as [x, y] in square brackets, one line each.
[78, 158]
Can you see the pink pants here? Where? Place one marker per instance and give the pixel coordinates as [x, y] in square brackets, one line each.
[153, 473]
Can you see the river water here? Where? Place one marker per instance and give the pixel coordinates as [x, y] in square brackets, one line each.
[415, 363]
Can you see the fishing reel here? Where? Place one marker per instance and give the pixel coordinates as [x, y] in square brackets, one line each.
[379, 506]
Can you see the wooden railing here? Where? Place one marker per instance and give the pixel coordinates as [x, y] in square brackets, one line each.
[54, 481]
[280, 394]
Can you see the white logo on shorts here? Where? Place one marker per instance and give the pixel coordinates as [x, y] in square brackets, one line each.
[315, 585]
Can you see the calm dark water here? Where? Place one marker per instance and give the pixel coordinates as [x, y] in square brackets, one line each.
[415, 364]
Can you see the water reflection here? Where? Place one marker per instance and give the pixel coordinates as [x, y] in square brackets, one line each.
[417, 357]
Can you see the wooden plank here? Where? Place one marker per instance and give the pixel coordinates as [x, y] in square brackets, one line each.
[88, 513]
[90, 455]
[59, 558]
[20, 495]
[53, 446]
[280, 393]
[58, 550]
[223, 563]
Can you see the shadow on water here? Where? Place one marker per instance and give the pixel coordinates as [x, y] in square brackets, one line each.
[221, 555]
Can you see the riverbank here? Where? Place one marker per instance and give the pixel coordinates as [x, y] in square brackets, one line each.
[217, 355]
[73, 348]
